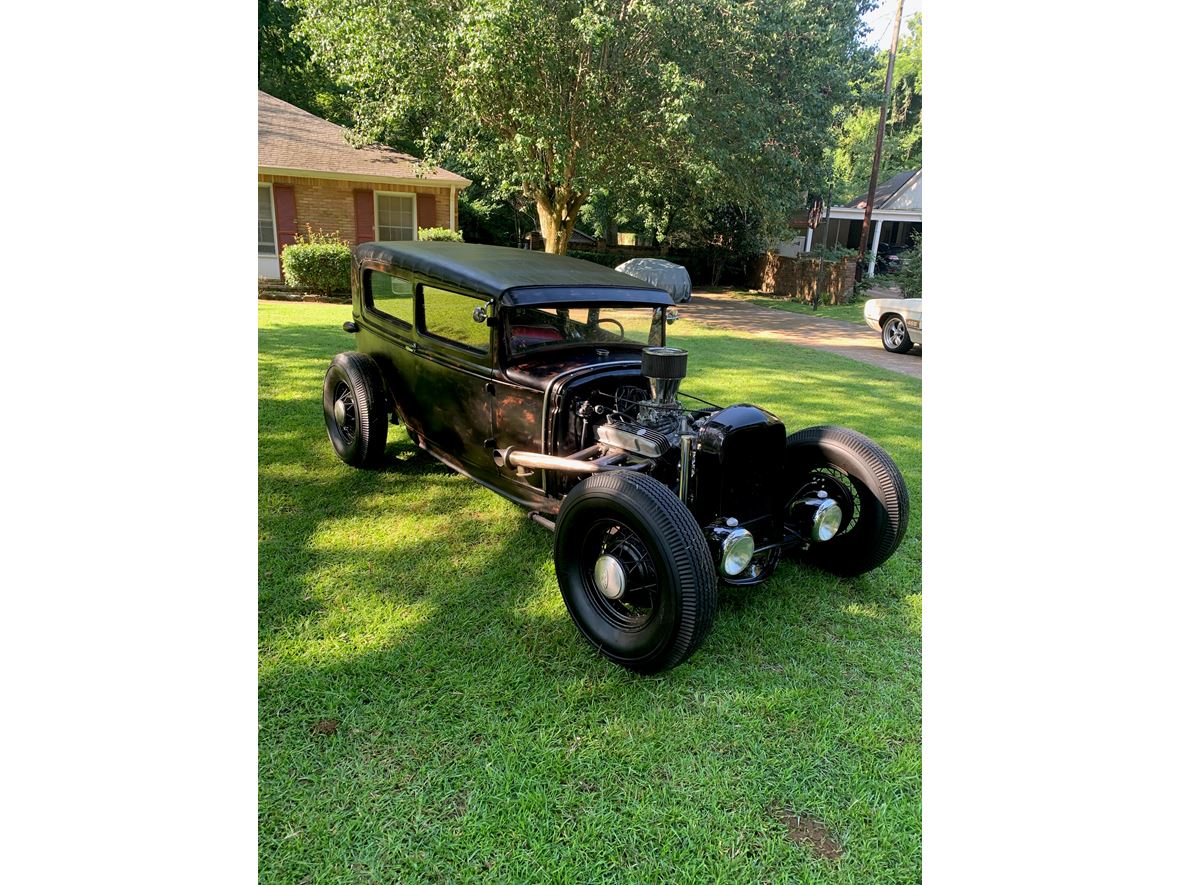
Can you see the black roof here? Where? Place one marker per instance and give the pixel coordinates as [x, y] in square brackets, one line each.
[513, 276]
[886, 191]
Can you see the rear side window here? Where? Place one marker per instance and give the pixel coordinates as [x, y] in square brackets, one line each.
[447, 315]
[389, 296]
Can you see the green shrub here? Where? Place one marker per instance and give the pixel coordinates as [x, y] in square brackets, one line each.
[319, 263]
[836, 253]
[319, 237]
[910, 275]
[444, 234]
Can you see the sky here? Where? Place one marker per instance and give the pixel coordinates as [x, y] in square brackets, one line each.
[880, 21]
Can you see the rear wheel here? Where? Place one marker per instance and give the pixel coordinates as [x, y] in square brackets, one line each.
[855, 472]
[634, 570]
[355, 410]
[894, 335]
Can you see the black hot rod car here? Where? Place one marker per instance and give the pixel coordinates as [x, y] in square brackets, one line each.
[548, 380]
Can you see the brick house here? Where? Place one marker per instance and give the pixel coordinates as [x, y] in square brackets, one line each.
[308, 173]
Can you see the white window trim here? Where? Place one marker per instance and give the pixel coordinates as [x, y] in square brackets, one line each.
[274, 223]
[377, 215]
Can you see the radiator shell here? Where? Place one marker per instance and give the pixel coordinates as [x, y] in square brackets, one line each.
[738, 471]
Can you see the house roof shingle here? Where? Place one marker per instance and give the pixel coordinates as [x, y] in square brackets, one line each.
[902, 191]
[291, 138]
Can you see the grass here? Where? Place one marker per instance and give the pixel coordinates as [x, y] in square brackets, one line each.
[428, 713]
[852, 312]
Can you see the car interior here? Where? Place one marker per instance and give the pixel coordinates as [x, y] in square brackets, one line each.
[533, 327]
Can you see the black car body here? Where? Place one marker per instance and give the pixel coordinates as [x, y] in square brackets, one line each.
[548, 380]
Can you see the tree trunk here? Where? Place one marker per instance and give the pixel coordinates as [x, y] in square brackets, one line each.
[548, 224]
[557, 209]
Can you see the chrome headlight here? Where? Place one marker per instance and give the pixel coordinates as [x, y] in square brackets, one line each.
[826, 521]
[736, 552]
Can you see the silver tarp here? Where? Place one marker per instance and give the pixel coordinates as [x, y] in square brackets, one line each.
[672, 278]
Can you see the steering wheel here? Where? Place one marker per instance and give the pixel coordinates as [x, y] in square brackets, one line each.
[622, 331]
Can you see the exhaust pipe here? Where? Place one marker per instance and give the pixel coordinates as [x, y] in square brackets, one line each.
[579, 462]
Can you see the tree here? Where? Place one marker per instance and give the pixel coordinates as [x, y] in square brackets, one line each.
[485, 219]
[664, 100]
[286, 69]
[901, 148]
[910, 277]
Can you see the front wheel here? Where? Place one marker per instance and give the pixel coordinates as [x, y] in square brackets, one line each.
[634, 570]
[895, 336]
[849, 468]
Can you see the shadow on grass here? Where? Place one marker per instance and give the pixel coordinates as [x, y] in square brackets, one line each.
[478, 735]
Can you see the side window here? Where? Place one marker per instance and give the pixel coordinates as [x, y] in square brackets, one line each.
[389, 296]
[447, 315]
[266, 222]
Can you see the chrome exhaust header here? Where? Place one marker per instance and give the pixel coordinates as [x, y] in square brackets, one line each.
[579, 462]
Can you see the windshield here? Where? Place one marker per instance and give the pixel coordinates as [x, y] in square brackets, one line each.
[532, 328]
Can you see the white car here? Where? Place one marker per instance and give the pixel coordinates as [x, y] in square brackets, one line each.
[899, 320]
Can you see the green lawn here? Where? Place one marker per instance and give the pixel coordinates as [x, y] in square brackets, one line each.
[475, 736]
[853, 313]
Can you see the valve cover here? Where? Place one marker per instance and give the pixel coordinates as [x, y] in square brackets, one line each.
[632, 437]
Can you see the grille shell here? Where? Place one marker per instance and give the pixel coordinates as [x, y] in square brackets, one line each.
[739, 471]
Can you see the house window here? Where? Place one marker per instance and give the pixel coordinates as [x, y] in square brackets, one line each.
[396, 217]
[266, 221]
[447, 315]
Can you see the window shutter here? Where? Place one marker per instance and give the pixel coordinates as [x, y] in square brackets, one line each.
[363, 201]
[285, 214]
[425, 211]
[284, 196]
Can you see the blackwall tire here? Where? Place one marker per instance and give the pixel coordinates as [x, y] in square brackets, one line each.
[670, 600]
[895, 337]
[355, 411]
[882, 514]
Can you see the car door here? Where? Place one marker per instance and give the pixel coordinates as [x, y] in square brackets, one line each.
[454, 378]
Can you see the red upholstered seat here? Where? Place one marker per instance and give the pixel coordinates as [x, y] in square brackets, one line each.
[531, 336]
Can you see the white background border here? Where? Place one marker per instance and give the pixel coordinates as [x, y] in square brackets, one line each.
[1049, 484]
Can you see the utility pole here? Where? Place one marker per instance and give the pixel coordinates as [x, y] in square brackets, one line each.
[864, 231]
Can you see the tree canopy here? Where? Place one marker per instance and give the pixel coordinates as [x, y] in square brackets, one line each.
[901, 150]
[674, 108]
[287, 70]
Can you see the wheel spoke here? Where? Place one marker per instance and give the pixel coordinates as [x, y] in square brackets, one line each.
[838, 486]
[636, 606]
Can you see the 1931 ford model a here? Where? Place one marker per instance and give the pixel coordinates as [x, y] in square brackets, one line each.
[548, 380]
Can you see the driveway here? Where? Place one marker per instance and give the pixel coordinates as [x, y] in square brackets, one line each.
[857, 342]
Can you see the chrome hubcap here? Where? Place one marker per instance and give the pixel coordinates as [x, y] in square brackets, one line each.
[340, 412]
[896, 332]
[609, 576]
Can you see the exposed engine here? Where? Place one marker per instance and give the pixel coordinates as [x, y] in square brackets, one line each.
[725, 464]
[649, 423]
